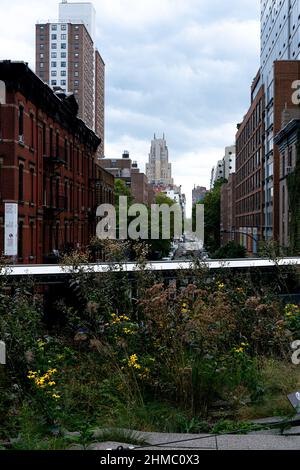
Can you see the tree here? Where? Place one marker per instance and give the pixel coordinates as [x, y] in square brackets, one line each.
[212, 217]
[161, 247]
[230, 250]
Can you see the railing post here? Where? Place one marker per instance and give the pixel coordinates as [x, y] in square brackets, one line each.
[2, 353]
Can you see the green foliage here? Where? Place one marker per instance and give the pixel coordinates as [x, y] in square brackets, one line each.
[212, 217]
[230, 250]
[155, 358]
[293, 183]
[234, 427]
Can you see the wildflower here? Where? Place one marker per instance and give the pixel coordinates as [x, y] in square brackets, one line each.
[56, 396]
[52, 383]
[221, 285]
[127, 331]
[133, 362]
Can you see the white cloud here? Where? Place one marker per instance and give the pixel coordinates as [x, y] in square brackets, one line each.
[183, 67]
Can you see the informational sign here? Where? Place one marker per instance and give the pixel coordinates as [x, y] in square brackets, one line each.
[294, 399]
[11, 229]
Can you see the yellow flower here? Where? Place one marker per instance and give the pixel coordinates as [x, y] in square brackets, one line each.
[56, 396]
[51, 383]
[184, 310]
[127, 331]
[221, 285]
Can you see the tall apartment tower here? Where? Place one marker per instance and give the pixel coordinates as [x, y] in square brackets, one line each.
[159, 170]
[280, 23]
[66, 57]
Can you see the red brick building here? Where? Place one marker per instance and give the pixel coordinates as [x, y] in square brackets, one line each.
[47, 166]
[249, 191]
[228, 228]
[127, 170]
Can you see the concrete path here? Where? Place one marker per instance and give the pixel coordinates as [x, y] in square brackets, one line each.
[262, 440]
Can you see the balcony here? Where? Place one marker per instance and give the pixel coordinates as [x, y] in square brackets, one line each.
[56, 157]
[58, 206]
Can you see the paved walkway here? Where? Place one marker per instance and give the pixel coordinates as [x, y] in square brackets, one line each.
[261, 440]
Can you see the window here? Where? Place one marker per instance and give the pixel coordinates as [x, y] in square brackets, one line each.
[76, 64]
[71, 155]
[42, 37]
[76, 27]
[53, 82]
[31, 225]
[76, 74]
[57, 144]
[21, 123]
[53, 45]
[66, 233]
[57, 193]
[76, 91]
[53, 55]
[66, 196]
[63, 37]
[76, 55]
[63, 64]
[76, 36]
[53, 73]
[41, 65]
[63, 27]
[42, 28]
[20, 239]
[42, 46]
[63, 55]
[54, 27]
[21, 182]
[51, 142]
[31, 185]
[53, 64]
[63, 73]
[63, 45]
[32, 130]
[66, 158]
[44, 138]
[71, 196]
[63, 82]
[76, 82]
[53, 37]
[42, 56]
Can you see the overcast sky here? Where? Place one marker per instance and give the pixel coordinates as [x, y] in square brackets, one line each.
[182, 67]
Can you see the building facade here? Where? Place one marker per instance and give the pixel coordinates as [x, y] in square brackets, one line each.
[228, 209]
[287, 141]
[127, 170]
[48, 167]
[224, 167]
[198, 194]
[280, 30]
[159, 170]
[249, 193]
[66, 58]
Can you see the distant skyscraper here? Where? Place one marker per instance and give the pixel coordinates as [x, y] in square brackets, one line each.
[198, 194]
[280, 29]
[66, 57]
[224, 167]
[159, 170]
